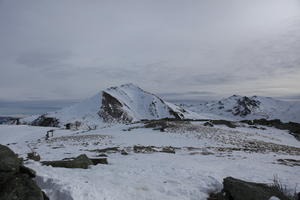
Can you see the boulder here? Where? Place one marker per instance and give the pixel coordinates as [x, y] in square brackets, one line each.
[16, 180]
[34, 156]
[97, 161]
[235, 189]
[81, 161]
[9, 162]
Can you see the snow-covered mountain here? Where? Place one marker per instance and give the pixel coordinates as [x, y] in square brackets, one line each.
[125, 103]
[241, 107]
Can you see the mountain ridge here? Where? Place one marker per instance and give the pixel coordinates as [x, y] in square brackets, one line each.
[123, 104]
[237, 107]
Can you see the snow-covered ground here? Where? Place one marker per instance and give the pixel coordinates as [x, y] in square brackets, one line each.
[204, 156]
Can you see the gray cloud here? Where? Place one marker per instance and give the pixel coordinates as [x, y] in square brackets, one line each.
[68, 50]
[40, 59]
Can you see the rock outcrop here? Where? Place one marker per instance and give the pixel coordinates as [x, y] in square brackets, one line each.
[236, 189]
[16, 180]
[82, 161]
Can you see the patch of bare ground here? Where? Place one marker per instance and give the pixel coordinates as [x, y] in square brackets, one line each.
[78, 138]
[289, 162]
[241, 141]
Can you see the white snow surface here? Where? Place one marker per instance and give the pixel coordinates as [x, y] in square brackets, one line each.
[269, 108]
[186, 175]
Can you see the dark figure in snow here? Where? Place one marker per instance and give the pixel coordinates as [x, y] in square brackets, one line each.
[48, 134]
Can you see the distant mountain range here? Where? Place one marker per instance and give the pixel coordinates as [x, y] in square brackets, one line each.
[129, 103]
[242, 107]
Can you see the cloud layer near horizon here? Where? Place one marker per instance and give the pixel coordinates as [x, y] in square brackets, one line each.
[72, 49]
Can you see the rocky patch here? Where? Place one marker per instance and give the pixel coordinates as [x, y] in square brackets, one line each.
[16, 180]
[82, 161]
[235, 189]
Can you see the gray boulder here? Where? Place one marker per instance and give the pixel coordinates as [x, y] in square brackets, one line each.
[81, 161]
[235, 189]
[16, 180]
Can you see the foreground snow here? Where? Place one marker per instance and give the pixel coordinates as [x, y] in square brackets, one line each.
[203, 158]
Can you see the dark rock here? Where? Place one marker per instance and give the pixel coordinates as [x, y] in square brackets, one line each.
[144, 149]
[9, 161]
[10, 120]
[97, 161]
[123, 152]
[46, 121]
[33, 156]
[292, 127]
[16, 180]
[112, 110]
[244, 106]
[102, 155]
[168, 150]
[208, 124]
[229, 124]
[25, 170]
[107, 150]
[81, 161]
[235, 189]
[21, 187]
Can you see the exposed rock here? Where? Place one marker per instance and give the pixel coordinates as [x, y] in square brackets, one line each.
[82, 161]
[292, 127]
[43, 120]
[168, 149]
[235, 189]
[123, 152]
[16, 180]
[97, 161]
[289, 162]
[10, 120]
[208, 124]
[112, 110]
[229, 124]
[244, 106]
[9, 162]
[33, 156]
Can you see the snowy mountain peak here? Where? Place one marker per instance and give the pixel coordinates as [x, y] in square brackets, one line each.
[124, 103]
[238, 107]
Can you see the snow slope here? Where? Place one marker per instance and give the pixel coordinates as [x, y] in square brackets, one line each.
[196, 169]
[256, 107]
[125, 103]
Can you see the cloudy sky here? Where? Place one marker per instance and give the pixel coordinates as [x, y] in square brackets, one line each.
[71, 49]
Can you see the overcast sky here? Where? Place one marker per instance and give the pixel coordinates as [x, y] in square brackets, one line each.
[71, 49]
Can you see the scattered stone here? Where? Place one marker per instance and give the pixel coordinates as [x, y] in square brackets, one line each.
[144, 149]
[16, 180]
[97, 161]
[168, 149]
[229, 124]
[289, 162]
[107, 150]
[34, 156]
[208, 124]
[123, 152]
[292, 127]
